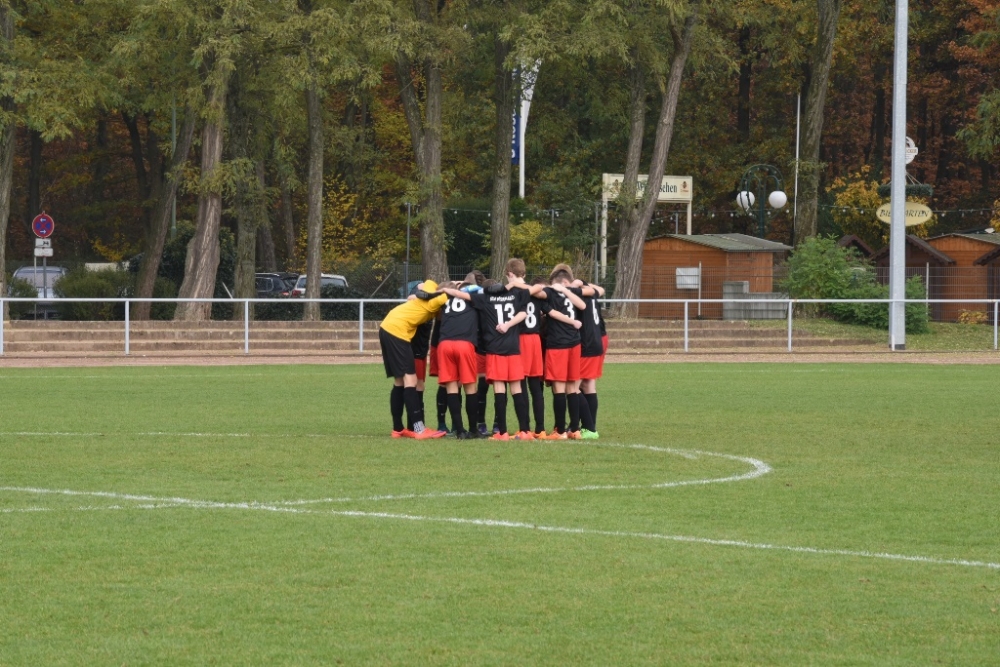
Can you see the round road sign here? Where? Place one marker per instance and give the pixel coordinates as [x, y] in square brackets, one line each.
[43, 225]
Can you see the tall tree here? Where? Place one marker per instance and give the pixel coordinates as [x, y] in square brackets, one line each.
[8, 142]
[638, 215]
[815, 111]
[432, 34]
[222, 25]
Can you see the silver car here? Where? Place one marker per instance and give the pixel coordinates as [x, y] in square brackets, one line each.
[44, 280]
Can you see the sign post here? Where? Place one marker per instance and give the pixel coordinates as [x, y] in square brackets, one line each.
[43, 225]
[673, 189]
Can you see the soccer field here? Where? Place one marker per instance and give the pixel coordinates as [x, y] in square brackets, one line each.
[759, 514]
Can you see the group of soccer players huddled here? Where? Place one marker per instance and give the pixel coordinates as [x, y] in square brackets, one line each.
[514, 337]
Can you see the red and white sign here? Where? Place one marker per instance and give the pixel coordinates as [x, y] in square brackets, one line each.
[43, 225]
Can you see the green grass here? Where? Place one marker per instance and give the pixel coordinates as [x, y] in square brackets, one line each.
[942, 337]
[878, 459]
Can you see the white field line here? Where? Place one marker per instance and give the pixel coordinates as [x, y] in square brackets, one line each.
[516, 525]
[759, 469]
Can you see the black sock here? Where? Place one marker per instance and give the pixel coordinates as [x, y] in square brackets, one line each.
[573, 400]
[396, 408]
[559, 406]
[455, 408]
[442, 404]
[537, 402]
[412, 406]
[419, 417]
[592, 403]
[586, 419]
[521, 410]
[500, 406]
[472, 410]
[482, 391]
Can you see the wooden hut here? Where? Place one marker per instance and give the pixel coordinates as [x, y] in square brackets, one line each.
[855, 242]
[705, 266]
[967, 279]
[991, 262]
[924, 260]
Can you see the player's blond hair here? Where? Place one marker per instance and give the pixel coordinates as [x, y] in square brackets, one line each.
[562, 271]
[516, 266]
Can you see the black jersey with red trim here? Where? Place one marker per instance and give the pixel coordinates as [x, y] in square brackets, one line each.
[532, 324]
[422, 340]
[459, 321]
[590, 332]
[559, 335]
[497, 308]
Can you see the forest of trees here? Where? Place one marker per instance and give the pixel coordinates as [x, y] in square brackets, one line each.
[303, 127]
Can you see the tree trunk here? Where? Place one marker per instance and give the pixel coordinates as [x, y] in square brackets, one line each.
[314, 229]
[267, 255]
[288, 223]
[747, 57]
[202, 261]
[812, 122]
[505, 99]
[628, 213]
[34, 177]
[8, 146]
[159, 222]
[425, 135]
[628, 271]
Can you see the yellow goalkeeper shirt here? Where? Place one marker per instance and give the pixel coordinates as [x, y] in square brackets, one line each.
[403, 320]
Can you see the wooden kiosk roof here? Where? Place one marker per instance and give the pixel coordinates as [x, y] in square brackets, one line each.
[729, 242]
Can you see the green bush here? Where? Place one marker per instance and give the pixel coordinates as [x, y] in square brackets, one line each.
[20, 289]
[821, 269]
[83, 284]
[876, 315]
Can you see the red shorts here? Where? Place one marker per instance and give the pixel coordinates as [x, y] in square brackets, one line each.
[457, 362]
[421, 366]
[481, 364]
[433, 365]
[562, 365]
[531, 355]
[604, 339]
[504, 369]
[591, 368]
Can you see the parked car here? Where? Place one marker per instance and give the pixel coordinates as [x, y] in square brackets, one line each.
[274, 285]
[44, 280]
[326, 280]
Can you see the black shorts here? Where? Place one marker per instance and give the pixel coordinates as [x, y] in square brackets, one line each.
[397, 355]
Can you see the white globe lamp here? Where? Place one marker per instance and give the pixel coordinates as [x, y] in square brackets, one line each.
[745, 200]
[777, 199]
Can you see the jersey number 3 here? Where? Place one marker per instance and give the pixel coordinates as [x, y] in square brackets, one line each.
[506, 308]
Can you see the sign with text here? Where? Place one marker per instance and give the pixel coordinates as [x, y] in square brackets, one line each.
[916, 214]
[679, 189]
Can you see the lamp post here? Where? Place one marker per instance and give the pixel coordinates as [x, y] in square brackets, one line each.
[754, 187]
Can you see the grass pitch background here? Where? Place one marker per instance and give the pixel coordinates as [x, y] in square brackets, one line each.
[894, 459]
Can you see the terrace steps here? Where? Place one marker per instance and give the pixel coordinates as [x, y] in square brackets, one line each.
[58, 338]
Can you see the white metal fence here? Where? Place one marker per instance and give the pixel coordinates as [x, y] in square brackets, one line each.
[689, 306]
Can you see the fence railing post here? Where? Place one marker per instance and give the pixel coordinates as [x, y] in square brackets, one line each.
[361, 326]
[996, 311]
[790, 325]
[686, 303]
[128, 342]
[2, 311]
[246, 327]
